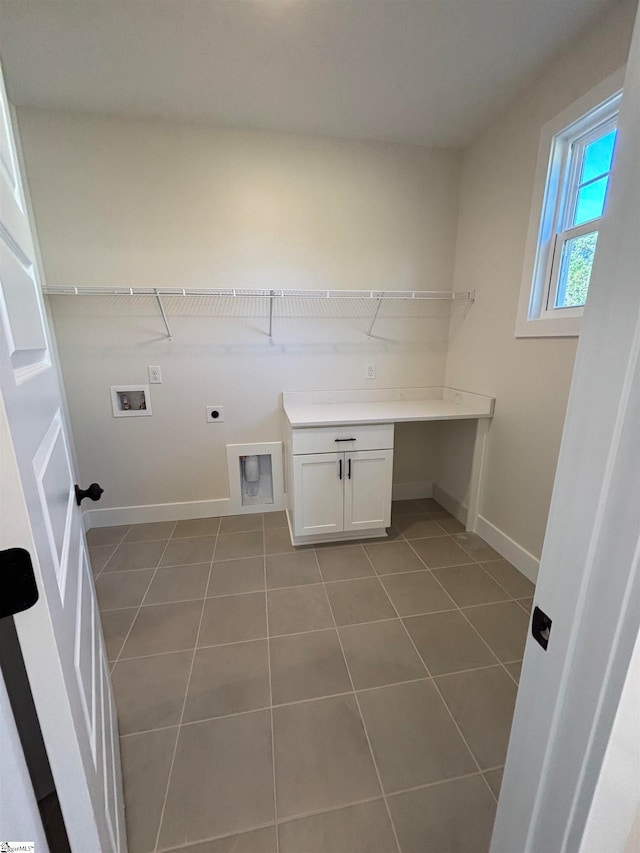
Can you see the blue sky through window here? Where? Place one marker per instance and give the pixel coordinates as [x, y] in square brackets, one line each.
[594, 178]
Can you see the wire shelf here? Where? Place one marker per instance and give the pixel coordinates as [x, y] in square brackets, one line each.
[294, 299]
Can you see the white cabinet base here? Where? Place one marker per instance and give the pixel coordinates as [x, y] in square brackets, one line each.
[343, 536]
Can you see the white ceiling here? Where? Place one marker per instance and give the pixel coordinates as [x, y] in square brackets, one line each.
[421, 71]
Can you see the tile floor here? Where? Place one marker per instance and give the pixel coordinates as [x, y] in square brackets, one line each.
[311, 700]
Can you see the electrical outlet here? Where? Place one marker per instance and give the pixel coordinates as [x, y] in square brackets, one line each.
[155, 374]
[215, 414]
[371, 370]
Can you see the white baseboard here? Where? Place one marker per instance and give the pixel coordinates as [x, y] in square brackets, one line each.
[411, 491]
[507, 548]
[451, 504]
[112, 516]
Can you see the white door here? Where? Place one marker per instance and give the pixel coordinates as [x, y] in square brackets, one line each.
[367, 489]
[317, 493]
[60, 636]
[589, 581]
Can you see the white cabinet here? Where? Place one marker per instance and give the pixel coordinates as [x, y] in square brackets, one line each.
[340, 494]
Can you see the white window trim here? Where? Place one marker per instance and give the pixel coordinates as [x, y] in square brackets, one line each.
[532, 321]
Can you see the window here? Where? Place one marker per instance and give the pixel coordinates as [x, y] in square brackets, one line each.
[574, 166]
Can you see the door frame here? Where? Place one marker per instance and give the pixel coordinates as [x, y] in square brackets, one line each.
[589, 581]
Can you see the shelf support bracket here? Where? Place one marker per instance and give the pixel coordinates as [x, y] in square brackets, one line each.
[271, 297]
[375, 317]
[164, 316]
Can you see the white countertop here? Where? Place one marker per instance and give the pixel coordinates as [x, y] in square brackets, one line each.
[303, 411]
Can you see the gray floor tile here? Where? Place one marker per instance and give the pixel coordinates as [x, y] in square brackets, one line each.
[233, 618]
[303, 608]
[440, 551]
[257, 841]
[277, 541]
[292, 569]
[222, 779]
[196, 527]
[391, 557]
[146, 762]
[107, 535]
[503, 626]
[451, 525]
[514, 669]
[454, 817]
[306, 666]
[476, 546]
[115, 627]
[430, 505]
[482, 703]
[322, 757]
[418, 526]
[150, 691]
[116, 590]
[228, 680]
[526, 604]
[361, 600]
[148, 532]
[447, 643]
[338, 564]
[235, 546]
[241, 523]
[413, 737]
[416, 592]
[470, 585]
[136, 555]
[274, 519]
[233, 576]
[99, 556]
[380, 653]
[364, 828]
[405, 507]
[181, 552]
[494, 778]
[163, 628]
[178, 583]
[510, 578]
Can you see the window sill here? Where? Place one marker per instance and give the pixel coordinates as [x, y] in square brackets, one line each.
[549, 327]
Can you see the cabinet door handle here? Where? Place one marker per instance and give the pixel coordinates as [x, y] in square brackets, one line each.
[345, 439]
[339, 469]
[349, 469]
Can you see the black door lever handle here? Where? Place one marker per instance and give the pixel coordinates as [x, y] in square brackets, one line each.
[94, 492]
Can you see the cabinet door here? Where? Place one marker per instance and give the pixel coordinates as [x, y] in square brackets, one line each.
[367, 489]
[318, 493]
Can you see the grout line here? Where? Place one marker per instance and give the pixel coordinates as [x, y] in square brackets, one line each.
[307, 700]
[273, 749]
[135, 618]
[464, 740]
[364, 728]
[442, 697]
[184, 704]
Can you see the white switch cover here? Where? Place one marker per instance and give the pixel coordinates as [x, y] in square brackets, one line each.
[155, 374]
[371, 370]
[215, 414]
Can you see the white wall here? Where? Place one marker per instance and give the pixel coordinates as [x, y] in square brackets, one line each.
[126, 202]
[529, 378]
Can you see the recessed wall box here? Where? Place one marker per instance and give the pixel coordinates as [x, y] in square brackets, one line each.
[130, 401]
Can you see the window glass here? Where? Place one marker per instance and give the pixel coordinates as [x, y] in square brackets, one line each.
[590, 201]
[597, 157]
[575, 270]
